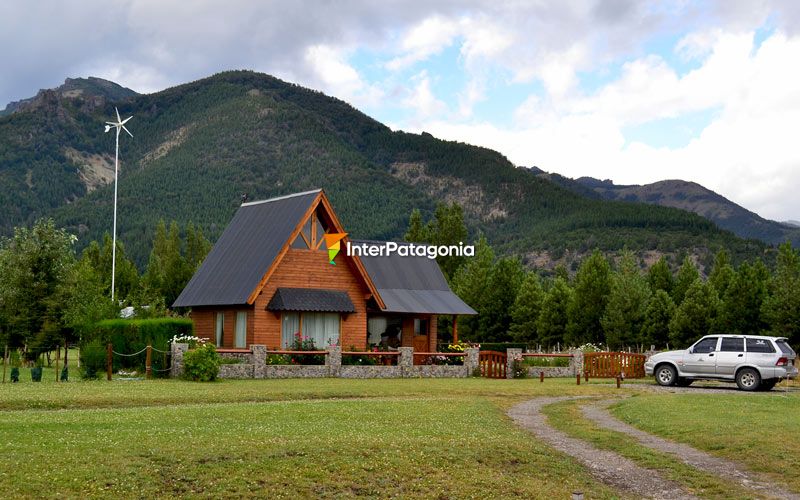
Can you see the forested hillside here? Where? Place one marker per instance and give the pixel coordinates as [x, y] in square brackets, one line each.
[198, 147]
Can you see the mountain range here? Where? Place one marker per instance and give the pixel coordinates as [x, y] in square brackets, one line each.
[198, 147]
[689, 196]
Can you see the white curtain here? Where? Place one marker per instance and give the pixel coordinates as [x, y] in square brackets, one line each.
[220, 325]
[322, 328]
[290, 325]
[241, 329]
[376, 326]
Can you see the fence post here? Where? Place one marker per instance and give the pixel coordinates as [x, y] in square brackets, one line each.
[258, 357]
[472, 360]
[148, 362]
[406, 361]
[511, 356]
[334, 360]
[5, 362]
[578, 379]
[541, 376]
[177, 350]
[109, 361]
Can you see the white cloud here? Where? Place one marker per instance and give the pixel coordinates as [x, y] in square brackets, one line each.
[422, 100]
[427, 38]
[748, 152]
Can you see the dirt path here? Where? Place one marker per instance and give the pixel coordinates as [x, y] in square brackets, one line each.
[701, 460]
[607, 466]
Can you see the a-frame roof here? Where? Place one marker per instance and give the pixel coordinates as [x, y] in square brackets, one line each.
[253, 240]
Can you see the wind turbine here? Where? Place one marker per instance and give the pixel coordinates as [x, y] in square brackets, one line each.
[118, 125]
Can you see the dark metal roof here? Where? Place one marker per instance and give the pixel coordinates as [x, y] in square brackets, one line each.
[412, 284]
[310, 299]
[244, 252]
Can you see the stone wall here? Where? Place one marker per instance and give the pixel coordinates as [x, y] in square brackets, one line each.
[574, 367]
[254, 366]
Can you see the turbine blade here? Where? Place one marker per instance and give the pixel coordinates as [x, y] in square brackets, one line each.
[113, 124]
[126, 130]
[123, 122]
[118, 118]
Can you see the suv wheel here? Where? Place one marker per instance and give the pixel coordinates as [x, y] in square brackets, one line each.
[666, 375]
[748, 379]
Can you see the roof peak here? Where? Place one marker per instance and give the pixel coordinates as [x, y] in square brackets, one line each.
[258, 202]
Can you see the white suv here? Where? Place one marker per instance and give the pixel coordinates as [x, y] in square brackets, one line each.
[753, 362]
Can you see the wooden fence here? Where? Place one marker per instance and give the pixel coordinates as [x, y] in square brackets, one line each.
[493, 364]
[613, 364]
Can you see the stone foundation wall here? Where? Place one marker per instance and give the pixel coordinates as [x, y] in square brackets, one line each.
[551, 371]
[254, 366]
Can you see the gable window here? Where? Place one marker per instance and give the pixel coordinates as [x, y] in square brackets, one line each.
[240, 338]
[320, 327]
[311, 234]
[219, 328]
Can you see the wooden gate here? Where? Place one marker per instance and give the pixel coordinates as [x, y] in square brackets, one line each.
[493, 364]
[613, 364]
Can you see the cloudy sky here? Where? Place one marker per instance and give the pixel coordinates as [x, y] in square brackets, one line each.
[633, 91]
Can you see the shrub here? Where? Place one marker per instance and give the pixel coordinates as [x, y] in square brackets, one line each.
[547, 362]
[201, 364]
[278, 359]
[93, 360]
[300, 343]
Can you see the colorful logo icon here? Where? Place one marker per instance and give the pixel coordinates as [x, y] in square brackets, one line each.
[334, 243]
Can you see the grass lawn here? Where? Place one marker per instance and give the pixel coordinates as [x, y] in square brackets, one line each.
[442, 438]
[759, 430]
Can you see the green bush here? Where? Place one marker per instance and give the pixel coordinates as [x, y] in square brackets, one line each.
[130, 336]
[201, 364]
[93, 360]
[502, 346]
[546, 362]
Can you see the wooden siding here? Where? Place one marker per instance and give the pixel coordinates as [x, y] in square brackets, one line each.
[205, 323]
[305, 268]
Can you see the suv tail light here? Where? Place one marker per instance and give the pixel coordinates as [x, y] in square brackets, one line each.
[782, 361]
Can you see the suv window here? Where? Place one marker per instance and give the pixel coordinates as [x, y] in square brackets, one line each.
[759, 345]
[732, 345]
[784, 347]
[706, 345]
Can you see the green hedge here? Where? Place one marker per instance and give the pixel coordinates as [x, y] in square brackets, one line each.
[502, 346]
[129, 336]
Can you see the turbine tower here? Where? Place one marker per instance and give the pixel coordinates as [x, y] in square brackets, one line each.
[118, 125]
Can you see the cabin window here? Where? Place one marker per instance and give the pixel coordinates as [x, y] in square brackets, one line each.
[311, 234]
[420, 326]
[240, 340]
[290, 326]
[219, 328]
[321, 328]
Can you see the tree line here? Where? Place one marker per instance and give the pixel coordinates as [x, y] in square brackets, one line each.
[613, 303]
[49, 294]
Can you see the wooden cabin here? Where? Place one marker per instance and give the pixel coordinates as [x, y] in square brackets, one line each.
[269, 278]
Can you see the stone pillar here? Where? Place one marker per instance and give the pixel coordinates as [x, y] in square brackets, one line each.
[177, 350]
[472, 360]
[511, 355]
[258, 356]
[576, 362]
[405, 360]
[334, 360]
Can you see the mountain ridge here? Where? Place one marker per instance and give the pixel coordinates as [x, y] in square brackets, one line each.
[199, 146]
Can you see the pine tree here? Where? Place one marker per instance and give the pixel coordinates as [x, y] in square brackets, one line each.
[470, 284]
[417, 231]
[447, 229]
[494, 320]
[721, 273]
[781, 308]
[526, 309]
[126, 280]
[592, 285]
[659, 277]
[687, 275]
[740, 305]
[552, 323]
[695, 316]
[167, 271]
[197, 247]
[627, 301]
[657, 316]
